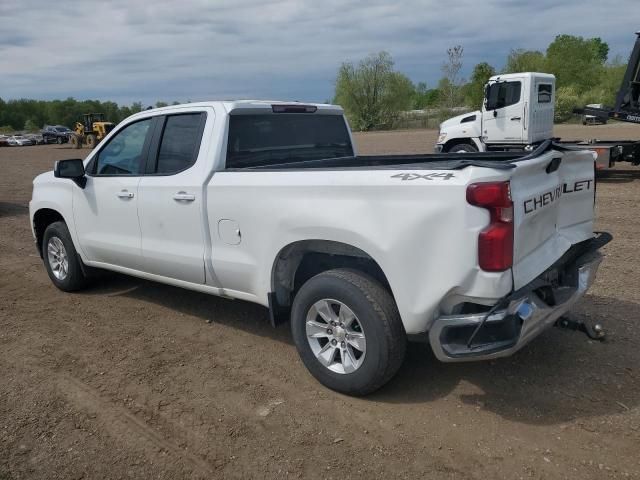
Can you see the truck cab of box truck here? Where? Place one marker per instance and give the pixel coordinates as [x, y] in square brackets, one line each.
[517, 112]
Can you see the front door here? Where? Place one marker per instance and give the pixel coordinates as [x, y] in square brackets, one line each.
[106, 211]
[171, 202]
[503, 114]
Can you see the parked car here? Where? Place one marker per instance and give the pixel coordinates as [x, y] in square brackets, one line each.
[56, 134]
[36, 138]
[19, 141]
[4, 141]
[476, 254]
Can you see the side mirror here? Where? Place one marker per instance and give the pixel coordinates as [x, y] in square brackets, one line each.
[72, 169]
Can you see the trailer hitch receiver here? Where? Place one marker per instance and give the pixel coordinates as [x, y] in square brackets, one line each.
[594, 332]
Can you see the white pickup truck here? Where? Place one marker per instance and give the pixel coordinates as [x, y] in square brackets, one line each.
[269, 202]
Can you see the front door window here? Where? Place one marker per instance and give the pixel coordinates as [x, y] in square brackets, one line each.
[124, 153]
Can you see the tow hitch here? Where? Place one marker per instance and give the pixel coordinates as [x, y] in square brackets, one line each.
[594, 332]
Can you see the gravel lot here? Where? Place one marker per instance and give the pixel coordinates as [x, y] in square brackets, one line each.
[130, 380]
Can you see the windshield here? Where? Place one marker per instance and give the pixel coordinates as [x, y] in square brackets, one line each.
[62, 129]
[269, 139]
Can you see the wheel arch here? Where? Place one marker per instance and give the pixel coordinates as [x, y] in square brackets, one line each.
[42, 218]
[463, 141]
[298, 261]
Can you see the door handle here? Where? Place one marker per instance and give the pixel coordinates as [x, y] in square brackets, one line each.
[125, 194]
[516, 118]
[184, 197]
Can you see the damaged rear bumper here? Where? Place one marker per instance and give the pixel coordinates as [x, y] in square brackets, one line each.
[526, 312]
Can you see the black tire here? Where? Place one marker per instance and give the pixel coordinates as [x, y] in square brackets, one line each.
[59, 141]
[463, 147]
[91, 140]
[76, 141]
[378, 315]
[75, 278]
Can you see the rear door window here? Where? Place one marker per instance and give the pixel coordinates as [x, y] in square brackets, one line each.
[180, 142]
[274, 138]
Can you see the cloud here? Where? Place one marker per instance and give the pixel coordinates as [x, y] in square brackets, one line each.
[128, 50]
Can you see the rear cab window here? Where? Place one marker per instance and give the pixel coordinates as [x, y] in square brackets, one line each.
[258, 139]
[545, 91]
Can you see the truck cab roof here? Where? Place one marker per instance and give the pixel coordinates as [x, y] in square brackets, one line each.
[532, 75]
[257, 106]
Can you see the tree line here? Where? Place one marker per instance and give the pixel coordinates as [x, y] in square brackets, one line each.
[374, 94]
[32, 115]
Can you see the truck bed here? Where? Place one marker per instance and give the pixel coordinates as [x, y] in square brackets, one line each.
[432, 161]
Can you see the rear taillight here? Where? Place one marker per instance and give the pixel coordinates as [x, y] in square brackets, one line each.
[495, 242]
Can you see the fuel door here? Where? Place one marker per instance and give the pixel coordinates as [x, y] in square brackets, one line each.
[229, 231]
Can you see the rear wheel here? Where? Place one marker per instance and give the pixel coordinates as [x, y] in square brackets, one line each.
[61, 259]
[91, 140]
[348, 331]
[76, 141]
[463, 147]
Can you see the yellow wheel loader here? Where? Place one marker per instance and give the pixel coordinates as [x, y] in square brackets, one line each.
[90, 130]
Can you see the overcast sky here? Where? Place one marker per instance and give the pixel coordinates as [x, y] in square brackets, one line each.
[135, 50]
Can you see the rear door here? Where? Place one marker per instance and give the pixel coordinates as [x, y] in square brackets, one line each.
[503, 117]
[553, 199]
[171, 199]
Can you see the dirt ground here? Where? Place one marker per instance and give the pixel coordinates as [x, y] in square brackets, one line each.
[132, 379]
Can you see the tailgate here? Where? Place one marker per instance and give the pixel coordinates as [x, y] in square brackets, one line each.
[553, 209]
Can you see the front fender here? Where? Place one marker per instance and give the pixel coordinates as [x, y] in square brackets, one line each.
[455, 129]
[57, 195]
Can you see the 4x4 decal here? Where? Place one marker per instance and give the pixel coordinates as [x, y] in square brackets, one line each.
[426, 176]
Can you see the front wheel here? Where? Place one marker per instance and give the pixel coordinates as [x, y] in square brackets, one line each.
[59, 141]
[348, 331]
[61, 259]
[462, 148]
